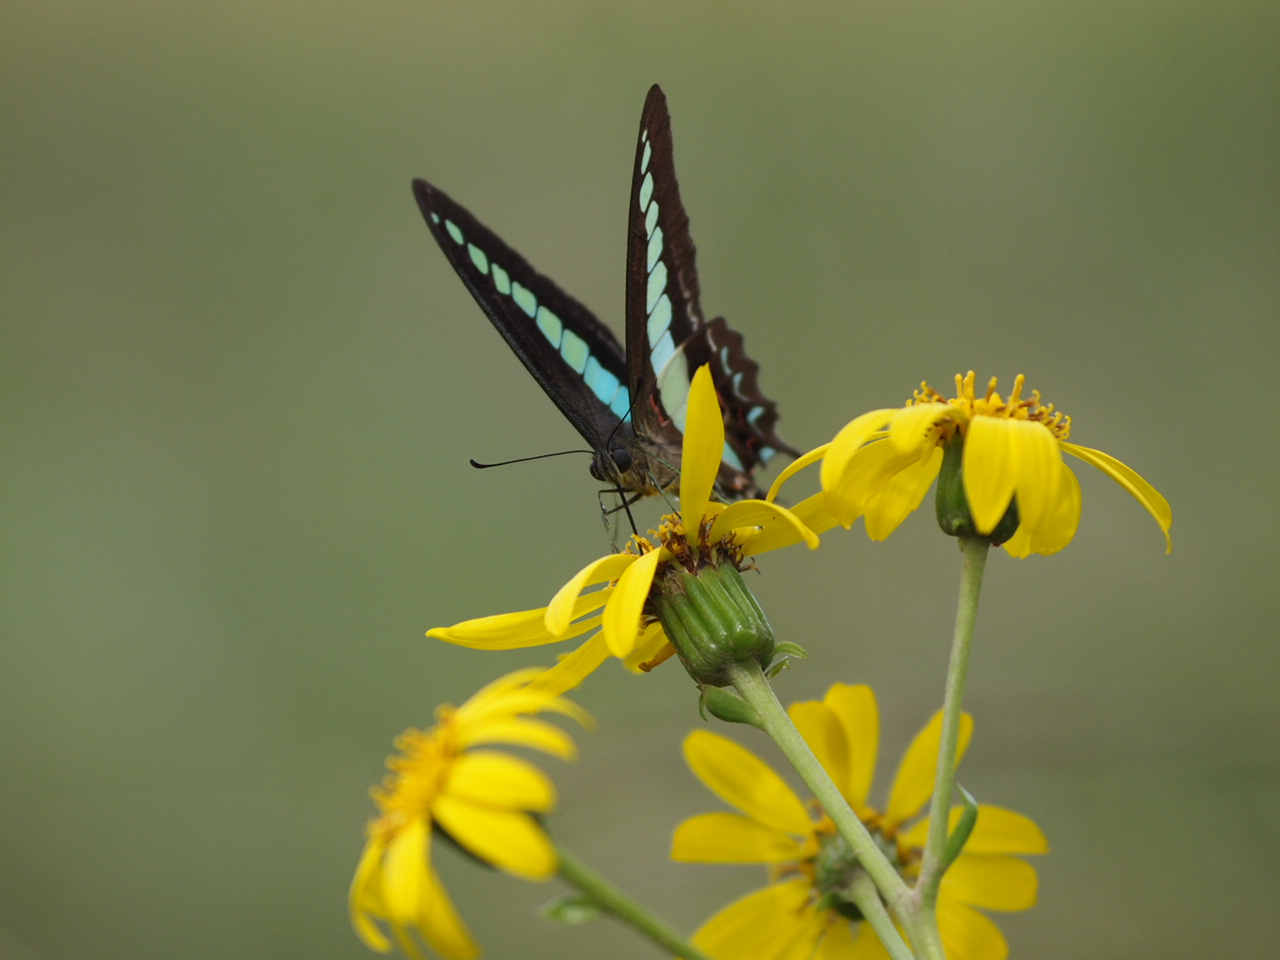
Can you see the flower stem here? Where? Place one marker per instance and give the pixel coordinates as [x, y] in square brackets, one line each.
[974, 553]
[751, 684]
[611, 899]
[864, 893]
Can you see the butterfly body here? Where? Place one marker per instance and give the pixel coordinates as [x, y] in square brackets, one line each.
[629, 405]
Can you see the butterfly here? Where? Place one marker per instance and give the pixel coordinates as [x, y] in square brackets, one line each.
[629, 406]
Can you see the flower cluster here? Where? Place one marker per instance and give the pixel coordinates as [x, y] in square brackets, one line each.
[806, 911]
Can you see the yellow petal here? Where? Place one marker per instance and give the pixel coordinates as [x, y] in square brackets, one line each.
[1143, 492]
[621, 622]
[365, 897]
[1058, 526]
[991, 882]
[1038, 472]
[794, 467]
[855, 707]
[840, 452]
[574, 667]
[990, 469]
[703, 446]
[651, 644]
[811, 512]
[404, 872]
[821, 729]
[758, 513]
[899, 495]
[441, 926]
[967, 934]
[501, 781]
[997, 830]
[510, 841]
[742, 780]
[865, 944]
[564, 606]
[524, 732]
[504, 631]
[762, 925]
[911, 426]
[730, 838]
[913, 783]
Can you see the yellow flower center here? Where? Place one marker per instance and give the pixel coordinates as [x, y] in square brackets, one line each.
[418, 773]
[967, 405]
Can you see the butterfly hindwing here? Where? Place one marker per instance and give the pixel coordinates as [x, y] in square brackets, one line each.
[574, 357]
[667, 335]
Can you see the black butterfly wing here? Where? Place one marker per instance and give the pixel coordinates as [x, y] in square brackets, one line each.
[667, 336]
[574, 357]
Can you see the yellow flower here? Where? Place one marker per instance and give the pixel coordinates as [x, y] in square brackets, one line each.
[702, 532]
[881, 465]
[804, 912]
[482, 799]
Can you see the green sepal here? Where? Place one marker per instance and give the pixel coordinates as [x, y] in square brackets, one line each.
[713, 621]
[728, 707]
[960, 835]
[952, 505]
[572, 909]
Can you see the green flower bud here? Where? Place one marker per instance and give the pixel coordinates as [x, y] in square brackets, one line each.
[953, 506]
[712, 620]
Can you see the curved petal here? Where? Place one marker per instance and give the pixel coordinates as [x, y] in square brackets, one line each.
[489, 778]
[900, 494]
[794, 467]
[811, 512]
[574, 667]
[855, 707]
[840, 453]
[440, 924]
[821, 729]
[758, 513]
[997, 830]
[1057, 528]
[911, 426]
[525, 732]
[731, 838]
[565, 605]
[365, 898]
[512, 842]
[651, 646]
[967, 934]
[1038, 472]
[1127, 477]
[742, 780]
[504, 631]
[990, 469]
[865, 944]
[991, 882]
[404, 871]
[703, 446]
[621, 623]
[913, 783]
[762, 925]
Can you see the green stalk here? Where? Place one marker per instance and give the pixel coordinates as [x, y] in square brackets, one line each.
[612, 900]
[752, 686]
[974, 553]
[863, 892]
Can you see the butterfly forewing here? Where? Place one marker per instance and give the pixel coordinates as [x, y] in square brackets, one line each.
[574, 357]
[667, 336]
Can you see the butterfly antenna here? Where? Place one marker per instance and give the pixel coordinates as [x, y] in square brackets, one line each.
[542, 456]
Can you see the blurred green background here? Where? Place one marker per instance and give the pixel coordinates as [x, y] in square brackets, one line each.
[241, 384]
